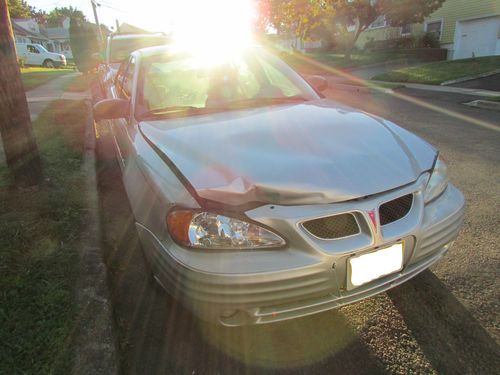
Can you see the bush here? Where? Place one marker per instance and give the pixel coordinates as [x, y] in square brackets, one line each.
[428, 40]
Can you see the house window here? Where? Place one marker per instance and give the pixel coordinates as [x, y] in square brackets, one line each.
[406, 29]
[379, 22]
[434, 28]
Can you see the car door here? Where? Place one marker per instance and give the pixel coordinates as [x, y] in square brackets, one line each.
[120, 127]
[34, 56]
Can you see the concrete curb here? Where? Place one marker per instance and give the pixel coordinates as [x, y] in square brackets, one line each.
[485, 104]
[360, 89]
[95, 341]
[470, 78]
[446, 89]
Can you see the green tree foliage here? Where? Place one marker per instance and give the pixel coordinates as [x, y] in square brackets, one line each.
[56, 16]
[83, 40]
[295, 18]
[19, 9]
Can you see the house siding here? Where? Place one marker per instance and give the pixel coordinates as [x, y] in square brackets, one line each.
[459, 10]
[450, 13]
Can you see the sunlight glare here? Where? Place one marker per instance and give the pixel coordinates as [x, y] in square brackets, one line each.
[213, 30]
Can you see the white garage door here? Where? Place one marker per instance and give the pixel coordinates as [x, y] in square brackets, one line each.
[477, 38]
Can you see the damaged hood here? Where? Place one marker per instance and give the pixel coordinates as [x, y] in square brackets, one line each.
[309, 153]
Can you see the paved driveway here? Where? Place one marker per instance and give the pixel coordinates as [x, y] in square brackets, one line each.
[444, 321]
[486, 83]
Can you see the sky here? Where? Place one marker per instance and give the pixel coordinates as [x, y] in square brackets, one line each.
[138, 12]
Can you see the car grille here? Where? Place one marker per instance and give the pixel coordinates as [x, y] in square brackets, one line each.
[396, 209]
[332, 227]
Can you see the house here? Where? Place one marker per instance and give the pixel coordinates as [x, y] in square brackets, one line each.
[28, 31]
[54, 39]
[466, 28]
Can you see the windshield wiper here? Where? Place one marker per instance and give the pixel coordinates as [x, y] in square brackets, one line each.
[183, 110]
[260, 102]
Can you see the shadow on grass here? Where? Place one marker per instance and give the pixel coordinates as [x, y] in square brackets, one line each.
[39, 229]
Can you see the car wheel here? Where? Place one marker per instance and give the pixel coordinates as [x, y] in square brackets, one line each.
[48, 63]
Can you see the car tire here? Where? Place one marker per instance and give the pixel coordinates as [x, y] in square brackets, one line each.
[49, 64]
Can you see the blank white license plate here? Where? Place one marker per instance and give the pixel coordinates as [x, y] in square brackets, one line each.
[371, 266]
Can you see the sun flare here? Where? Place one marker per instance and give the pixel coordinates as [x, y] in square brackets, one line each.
[213, 30]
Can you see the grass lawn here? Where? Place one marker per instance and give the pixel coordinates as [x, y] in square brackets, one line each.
[34, 76]
[317, 63]
[438, 72]
[39, 229]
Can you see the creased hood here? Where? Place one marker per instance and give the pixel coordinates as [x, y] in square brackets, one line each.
[310, 153]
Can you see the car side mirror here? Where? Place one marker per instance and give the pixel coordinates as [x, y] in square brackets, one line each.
[110, 109]
[319, 83]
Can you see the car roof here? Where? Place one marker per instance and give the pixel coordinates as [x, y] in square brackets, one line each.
[164, 49]
[136, 36]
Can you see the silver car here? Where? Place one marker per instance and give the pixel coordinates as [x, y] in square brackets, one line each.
[257, 200]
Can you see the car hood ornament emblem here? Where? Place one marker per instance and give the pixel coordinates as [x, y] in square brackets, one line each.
[373, 219]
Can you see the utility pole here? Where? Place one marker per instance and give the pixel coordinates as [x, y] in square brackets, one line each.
[19, 142]
[117, 26]
[94, 8]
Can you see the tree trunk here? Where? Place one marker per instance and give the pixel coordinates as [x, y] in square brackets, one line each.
[19, 143]
[350, 45]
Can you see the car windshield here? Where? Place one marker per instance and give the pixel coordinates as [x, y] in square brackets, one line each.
[121, 48]
[183, 85]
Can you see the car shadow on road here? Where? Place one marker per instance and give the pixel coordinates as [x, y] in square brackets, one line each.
[452, 340]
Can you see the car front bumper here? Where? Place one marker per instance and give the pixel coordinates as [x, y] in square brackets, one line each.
[310, 275]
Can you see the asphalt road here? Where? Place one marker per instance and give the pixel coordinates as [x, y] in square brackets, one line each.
[443, 321]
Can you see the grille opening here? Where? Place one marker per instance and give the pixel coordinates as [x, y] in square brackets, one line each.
[332, 227]
[395, 210]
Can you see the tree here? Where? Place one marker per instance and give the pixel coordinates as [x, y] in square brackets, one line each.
[295, 18]
[83, 40]
[19, 9]
[39, 15]
[19, 143]
[56, 16]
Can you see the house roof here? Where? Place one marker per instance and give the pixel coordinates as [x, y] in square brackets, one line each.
[56, 32]
[19, 30]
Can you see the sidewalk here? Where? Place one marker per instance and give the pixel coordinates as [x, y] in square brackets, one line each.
[40, 97]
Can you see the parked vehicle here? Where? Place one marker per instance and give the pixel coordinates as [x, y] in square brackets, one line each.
[120, 46]
[36, 54]
[257, 200]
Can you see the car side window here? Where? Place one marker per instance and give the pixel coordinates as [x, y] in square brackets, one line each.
[119, 77]
[33, 49]
[126, 87]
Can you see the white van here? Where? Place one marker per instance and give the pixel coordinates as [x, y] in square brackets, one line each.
[36, 54]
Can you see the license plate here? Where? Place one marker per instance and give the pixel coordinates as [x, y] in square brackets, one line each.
[371, 266]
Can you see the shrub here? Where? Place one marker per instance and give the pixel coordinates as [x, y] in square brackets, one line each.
[428, 40]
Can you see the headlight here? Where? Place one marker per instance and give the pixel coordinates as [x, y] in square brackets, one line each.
[437, 182]
[207, 230]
